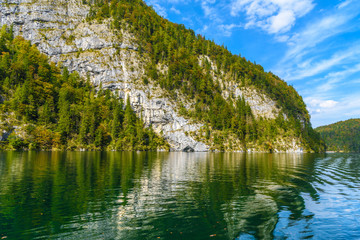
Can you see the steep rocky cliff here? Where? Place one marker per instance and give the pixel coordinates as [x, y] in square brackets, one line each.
[111, 59]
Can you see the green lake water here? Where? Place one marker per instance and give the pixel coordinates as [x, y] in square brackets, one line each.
[131, 195]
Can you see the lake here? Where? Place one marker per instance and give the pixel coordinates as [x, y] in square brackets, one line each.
[161, 195]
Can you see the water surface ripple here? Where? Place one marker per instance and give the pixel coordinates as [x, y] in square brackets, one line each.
[132, 195]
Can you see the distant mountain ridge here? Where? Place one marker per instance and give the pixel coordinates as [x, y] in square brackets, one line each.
[343, 136]
[194, 93]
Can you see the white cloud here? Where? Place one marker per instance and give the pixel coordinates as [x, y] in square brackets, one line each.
[273, 16]
[318, 103]
[170, 1]
[317, 32]
[319, 55]
[174, 10]
[227, 29]
[313, 67]
[158, 8]
[334, 80]
[326, 65]
[318, 108]
[311, 50]
[281, 22]
[344, 4]
[210, 12]
[282, 38]
[325, 112]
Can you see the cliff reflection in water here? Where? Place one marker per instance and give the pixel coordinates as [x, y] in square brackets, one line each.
[124, 195]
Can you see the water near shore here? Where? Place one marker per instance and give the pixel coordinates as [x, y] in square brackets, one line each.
[119, 195]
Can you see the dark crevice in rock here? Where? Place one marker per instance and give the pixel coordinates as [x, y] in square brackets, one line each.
[188, 149]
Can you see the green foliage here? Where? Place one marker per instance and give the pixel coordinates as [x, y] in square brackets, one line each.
[195, 67]
[178, 48]
[61, 110]
[342, 136]
[16, 143]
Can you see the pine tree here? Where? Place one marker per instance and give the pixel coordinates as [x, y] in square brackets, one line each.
[64, 126]
[129, 119]
[45, 114]
[37, 93]
[118, 119]
[65, 75]
[85, 122]
[31, 109]
[100, 137]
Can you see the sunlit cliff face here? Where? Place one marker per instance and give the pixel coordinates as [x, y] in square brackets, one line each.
[111, 59]
[96, 52]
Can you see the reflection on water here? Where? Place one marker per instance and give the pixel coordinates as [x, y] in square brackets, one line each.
[130, 195]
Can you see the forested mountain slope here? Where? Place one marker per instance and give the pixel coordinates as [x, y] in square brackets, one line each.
[194, 93]
[43, 109]
[342, 136]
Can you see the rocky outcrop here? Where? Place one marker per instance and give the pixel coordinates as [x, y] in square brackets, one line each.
[158, 113]
[261, 105]
[4, 135]
[60, 30]
[6, 127]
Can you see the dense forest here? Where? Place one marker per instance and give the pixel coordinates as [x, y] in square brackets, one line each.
[54, 109]
[179, 49]
[342, 136]
[60, 110]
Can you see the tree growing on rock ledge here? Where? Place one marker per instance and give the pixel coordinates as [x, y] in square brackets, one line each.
[51, 110]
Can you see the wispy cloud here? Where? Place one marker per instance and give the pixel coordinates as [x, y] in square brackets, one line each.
[309, 42]
[211, 11]
[331, 24]
[334, 80]
[325, 111]
[174, 10]
[227, 29]
[313, 67]
[316, 32]
[344, 4]
[273, 16]
[323, 60]
[158, 7]
[314, 52]
[316, 105]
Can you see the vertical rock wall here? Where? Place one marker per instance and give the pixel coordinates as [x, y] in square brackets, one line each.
[60, 30]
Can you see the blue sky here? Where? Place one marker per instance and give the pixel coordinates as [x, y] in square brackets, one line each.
[314, 45]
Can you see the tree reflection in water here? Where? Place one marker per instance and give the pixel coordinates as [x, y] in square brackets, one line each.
[136, 195]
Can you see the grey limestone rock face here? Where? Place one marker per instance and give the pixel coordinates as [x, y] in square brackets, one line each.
[261, 105]
[4, 135]
[158, 113]
[60, 30]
